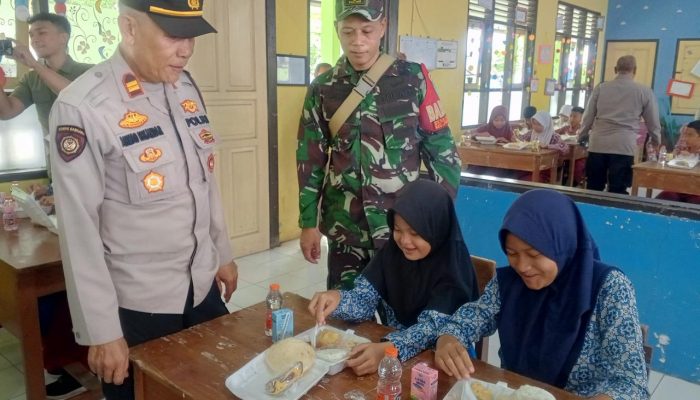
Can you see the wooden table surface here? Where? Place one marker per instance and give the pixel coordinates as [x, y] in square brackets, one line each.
[494, 156]
[30, 267]
[194, 363]
[654, 175]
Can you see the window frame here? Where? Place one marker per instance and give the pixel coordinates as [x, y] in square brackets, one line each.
[487, 18]
[565, 36]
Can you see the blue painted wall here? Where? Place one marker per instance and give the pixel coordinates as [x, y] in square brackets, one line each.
[656, 19]
[660, 255]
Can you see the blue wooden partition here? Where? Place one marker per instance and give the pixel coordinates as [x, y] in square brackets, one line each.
[656, 244]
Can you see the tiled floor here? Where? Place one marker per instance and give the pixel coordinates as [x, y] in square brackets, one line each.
[286, 266]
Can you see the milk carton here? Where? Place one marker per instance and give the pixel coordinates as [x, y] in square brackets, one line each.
[282, 324]
[424, 382]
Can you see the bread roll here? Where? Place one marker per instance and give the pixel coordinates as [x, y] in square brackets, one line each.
[481, 391]
[282, 355]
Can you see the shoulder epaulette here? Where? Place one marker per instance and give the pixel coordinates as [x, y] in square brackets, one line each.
[83, 87]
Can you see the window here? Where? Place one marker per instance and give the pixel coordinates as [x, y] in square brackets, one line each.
[499, 58]
[94, 38]
[315, 36]
[575, 51]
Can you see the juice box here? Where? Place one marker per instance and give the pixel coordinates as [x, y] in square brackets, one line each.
[282, 324]
[424, 382]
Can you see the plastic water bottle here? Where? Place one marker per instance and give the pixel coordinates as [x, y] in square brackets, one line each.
[274, 302]
[651, 152]
[9, 215]
[389, 385]
[662, 155]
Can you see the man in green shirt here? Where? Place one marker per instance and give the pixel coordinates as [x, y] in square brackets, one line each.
[55, 69]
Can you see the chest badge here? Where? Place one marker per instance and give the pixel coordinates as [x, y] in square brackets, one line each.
[154, 182]
[132, 119]
[206, 136]
[189, 106]
[210, 162]
[150, 154]
[132, 85]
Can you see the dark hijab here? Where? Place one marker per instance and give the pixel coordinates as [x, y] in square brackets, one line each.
[445, 278]
[542, 331]
[506, 131]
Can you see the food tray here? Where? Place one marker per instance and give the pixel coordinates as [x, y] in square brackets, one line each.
[334, 357]
[485, 139]
[516, 145]
[683, 163]
[249, 381]
[462, 390]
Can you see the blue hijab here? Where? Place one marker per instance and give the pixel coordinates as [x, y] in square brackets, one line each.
[542, 331]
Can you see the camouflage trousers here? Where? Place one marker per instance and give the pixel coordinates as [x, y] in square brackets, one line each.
[345, 263]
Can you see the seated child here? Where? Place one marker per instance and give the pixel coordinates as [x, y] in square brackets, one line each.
[419, 278]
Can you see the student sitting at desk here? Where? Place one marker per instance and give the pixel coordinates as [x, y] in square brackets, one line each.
[543, 135]
[573, 128]
[498, 126]
[418, 278]
[688, 144]
[563, 316]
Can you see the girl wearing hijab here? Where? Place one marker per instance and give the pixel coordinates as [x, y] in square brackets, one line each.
[419, 278]
[543, 135]
[563, 316]
[498, 125]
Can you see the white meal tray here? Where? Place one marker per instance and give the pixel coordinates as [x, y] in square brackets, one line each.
[683, 162]
[485, 139]
[462, 390]
[249, 381]
[516, 145]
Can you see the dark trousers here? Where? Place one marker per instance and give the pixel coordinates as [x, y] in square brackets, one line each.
[59, 347]
[613, 169]
[345, 263]
[140, 327]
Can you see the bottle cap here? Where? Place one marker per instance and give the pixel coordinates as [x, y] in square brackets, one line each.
[274, 286]
[391, 351]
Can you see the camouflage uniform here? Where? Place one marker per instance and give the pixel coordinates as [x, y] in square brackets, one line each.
[376, 152]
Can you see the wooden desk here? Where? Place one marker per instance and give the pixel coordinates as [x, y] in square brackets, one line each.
[193, 364]
[30, 267]
[576, 152]
[651, 174]
[522, 160]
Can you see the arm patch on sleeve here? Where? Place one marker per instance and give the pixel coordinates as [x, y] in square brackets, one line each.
[70, 141]
[432, 116]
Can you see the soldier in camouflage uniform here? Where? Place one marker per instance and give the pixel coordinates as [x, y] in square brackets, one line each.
[376, 151]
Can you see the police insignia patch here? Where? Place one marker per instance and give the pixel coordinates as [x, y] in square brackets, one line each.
[351, 3]
[150, 154]
[70, 141]
[132, 85]
[206, 136]
[132, 120]
[189, 106]
[194, 4]
[154, 182]
[210, 162]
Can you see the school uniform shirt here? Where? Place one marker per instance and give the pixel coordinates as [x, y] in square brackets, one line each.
[612, 340]
[139, 212]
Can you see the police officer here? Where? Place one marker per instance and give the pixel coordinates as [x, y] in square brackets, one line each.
[377, 150]
[145, 249]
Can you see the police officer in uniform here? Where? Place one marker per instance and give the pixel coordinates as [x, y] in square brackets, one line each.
[378, 149]
[145, 249]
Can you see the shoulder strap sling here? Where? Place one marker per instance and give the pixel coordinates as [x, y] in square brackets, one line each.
[367, 82]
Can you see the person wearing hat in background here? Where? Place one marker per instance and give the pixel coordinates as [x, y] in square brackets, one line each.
[377, 149]
[145, 249]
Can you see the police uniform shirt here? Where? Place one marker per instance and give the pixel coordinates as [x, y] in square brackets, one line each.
[139, 210]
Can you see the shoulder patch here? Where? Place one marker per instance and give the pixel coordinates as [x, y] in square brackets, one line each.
[70, 141]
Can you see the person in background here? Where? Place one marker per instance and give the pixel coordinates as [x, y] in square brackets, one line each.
[688, 145]
[564, 114]
[572, 129]
[543, 135]
[498, 126]
[144, 245]
[612, 118]
[528, 113]
[563, 316]
[49, 74]
[398, 126]
[321, 68]
[425, 256]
